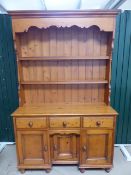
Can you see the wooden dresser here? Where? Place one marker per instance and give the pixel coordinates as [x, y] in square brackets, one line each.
[64, 117]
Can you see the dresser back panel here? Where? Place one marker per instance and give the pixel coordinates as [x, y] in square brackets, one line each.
[53, 58]
[73, 41]
[64, 94]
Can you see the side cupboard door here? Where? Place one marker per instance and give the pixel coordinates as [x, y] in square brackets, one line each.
[33, 148]
[96, 147]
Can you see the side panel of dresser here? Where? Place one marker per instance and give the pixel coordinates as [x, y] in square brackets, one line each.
[97, 142]
[32, 142]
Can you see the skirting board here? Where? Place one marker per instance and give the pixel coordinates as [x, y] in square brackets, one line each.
[122, 147]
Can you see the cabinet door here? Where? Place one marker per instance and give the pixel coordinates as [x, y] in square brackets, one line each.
[96, 147]
[33, 147]
[65, 147]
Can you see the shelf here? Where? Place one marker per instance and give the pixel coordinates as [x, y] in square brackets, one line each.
[58, 58]
[64, 82]
[98, 104]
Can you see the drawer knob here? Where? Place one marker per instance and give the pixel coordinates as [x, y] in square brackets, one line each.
[98, 123]
[84, 148]
[30, 124]
[64, 124]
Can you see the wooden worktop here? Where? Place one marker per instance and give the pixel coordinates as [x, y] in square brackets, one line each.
[65, 109]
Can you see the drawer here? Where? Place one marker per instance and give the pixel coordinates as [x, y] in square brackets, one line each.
[31, 123]
[64, 122]
[102, 122]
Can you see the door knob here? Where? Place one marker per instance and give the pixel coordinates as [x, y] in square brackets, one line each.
[84, 148]
[45, 148]
[55, 147]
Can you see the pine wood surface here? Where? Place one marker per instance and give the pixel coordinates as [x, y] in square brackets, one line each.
[64, 109]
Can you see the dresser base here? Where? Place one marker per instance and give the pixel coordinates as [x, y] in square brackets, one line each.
[80, 135]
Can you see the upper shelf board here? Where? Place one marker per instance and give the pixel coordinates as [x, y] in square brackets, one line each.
[58, 58]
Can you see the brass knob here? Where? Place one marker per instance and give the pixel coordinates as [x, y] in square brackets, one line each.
[64, 124]
[98, 123]
[30, 124]
[84, 148]
[45, 148]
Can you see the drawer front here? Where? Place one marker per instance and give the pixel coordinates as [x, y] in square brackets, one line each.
[31, 123]
[102, 122]
[64, 122]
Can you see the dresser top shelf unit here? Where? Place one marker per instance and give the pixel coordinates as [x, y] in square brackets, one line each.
[64, 56]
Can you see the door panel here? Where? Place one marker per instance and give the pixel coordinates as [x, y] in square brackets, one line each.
[96, 146]
[65, 147]
[33, 147]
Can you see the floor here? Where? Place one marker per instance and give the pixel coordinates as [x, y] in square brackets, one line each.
[8, 165]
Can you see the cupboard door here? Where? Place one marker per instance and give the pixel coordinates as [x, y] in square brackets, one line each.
[96, 147]
[33, 147]
[65, 147]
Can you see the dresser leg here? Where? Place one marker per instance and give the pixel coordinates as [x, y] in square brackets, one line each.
[82, 170]
[48, 170]
[108, 170]
[22, 171]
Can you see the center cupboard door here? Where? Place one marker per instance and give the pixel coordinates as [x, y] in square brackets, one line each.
[65, 147]
[33, 148]
[96, 147]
